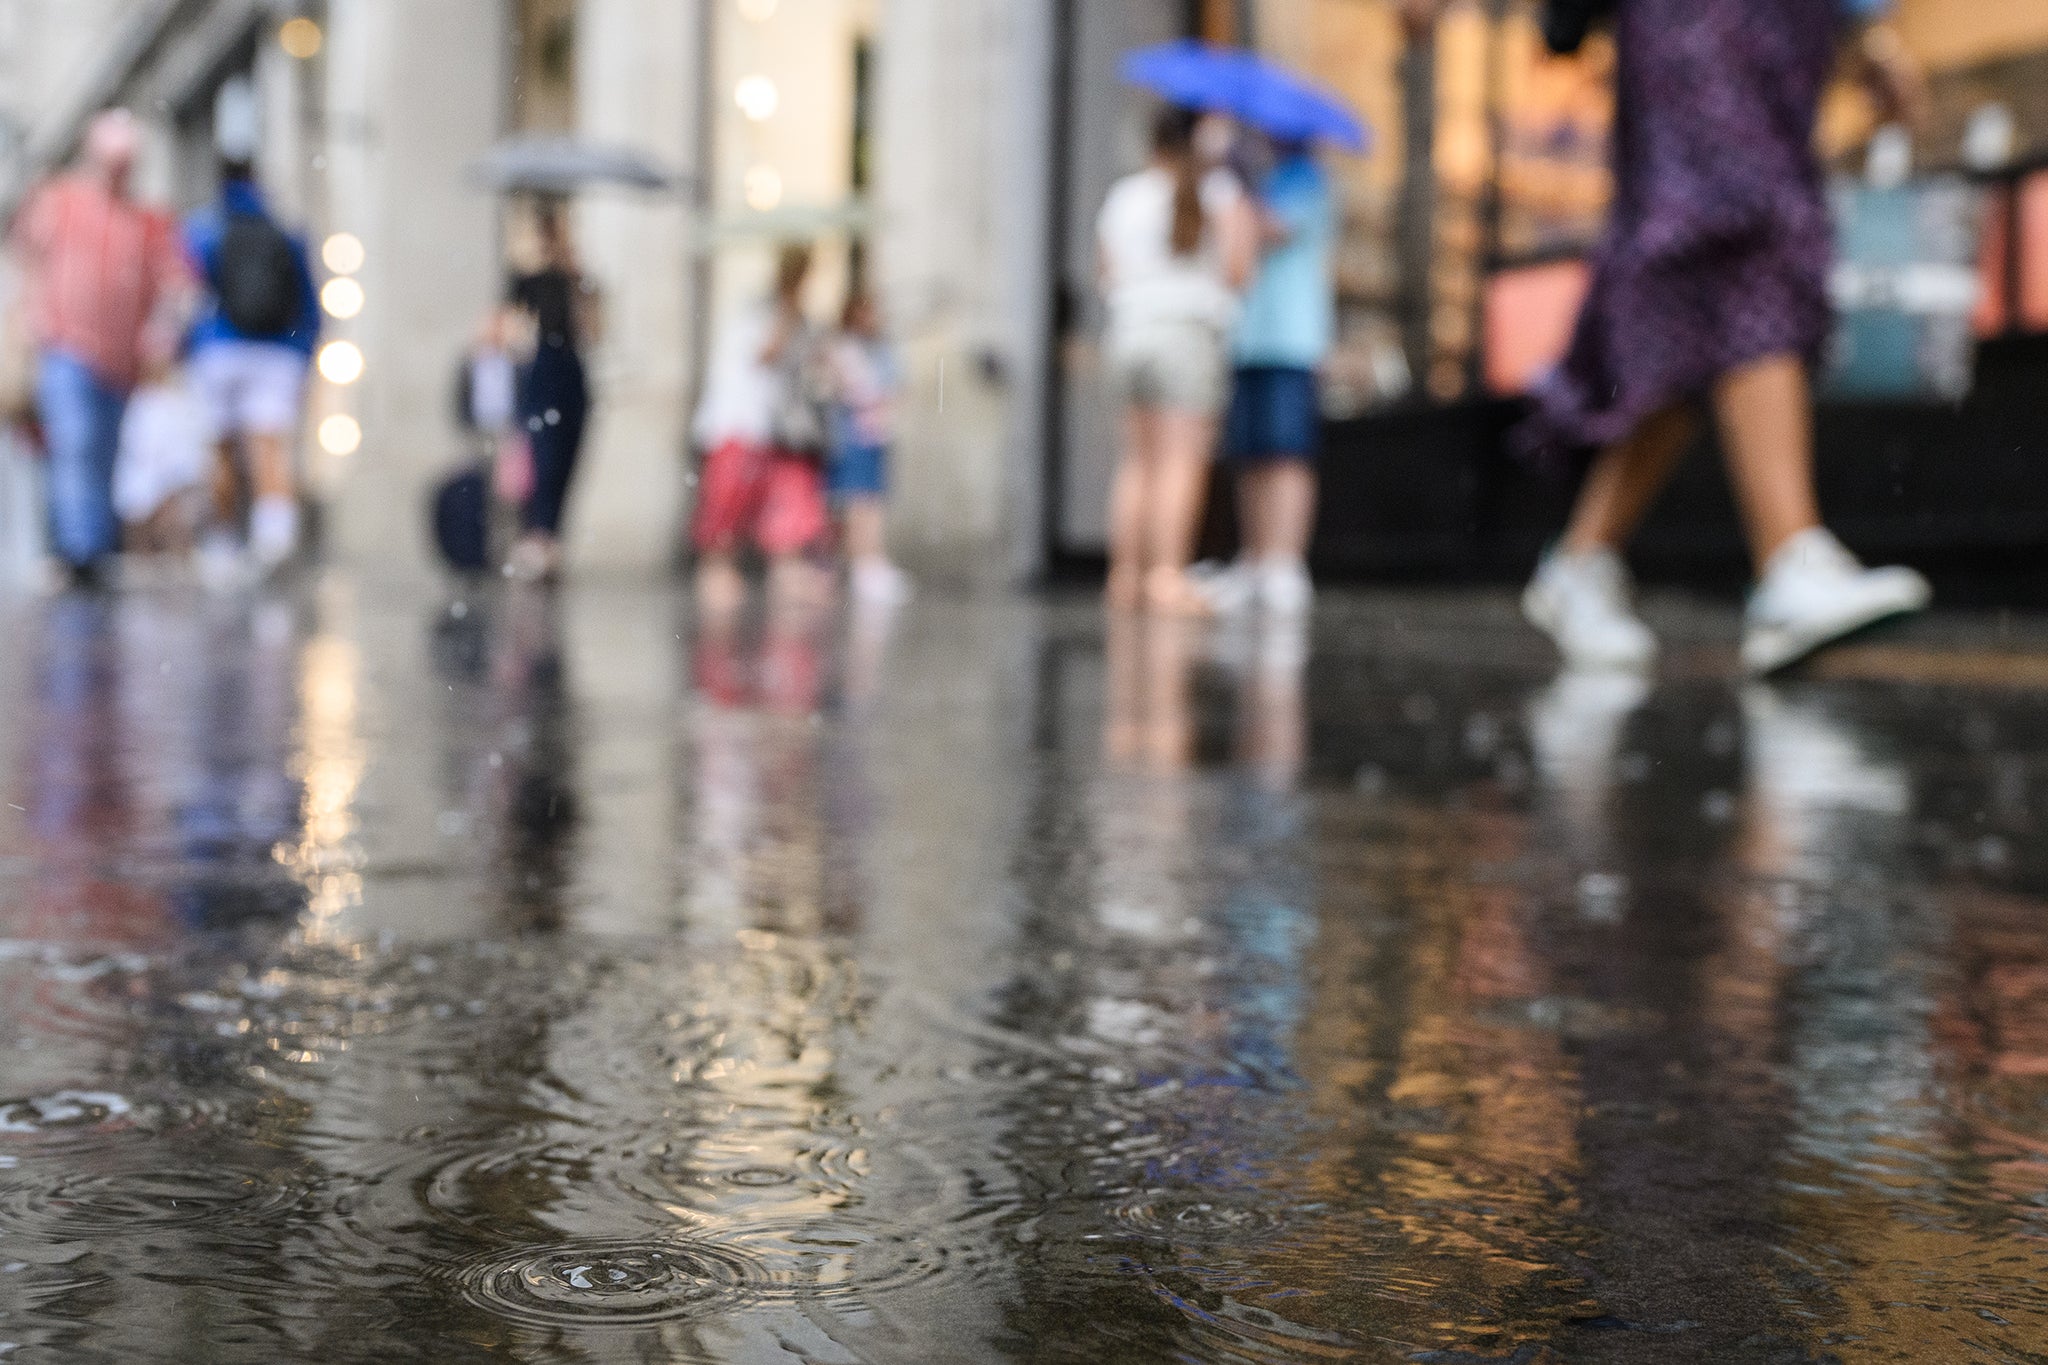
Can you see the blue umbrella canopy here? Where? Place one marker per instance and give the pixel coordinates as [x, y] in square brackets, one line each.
[1249, 88]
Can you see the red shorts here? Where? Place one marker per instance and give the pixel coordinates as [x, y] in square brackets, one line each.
[756, 492]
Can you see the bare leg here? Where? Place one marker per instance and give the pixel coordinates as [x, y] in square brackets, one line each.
[1766, 415]
[224, 485]
[1252, 517]
[1128, 496]
[1287, 499]
[720, 587]
[270, 465]
[1625, 479]
[865, 537]
[794, 583]
[1174, 506]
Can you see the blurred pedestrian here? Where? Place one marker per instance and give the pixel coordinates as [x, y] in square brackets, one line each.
[487, 406]
[1275, 420]
[762, 428]
[249, 354]
[866, 381]
[1177, 243]
[1711, 283]
[105, 282]
[554, 390]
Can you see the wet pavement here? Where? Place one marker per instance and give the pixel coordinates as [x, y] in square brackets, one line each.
[390, 977]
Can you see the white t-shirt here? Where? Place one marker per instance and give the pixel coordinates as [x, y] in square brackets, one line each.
[1145, 282]
[166, 447]
[739, 388]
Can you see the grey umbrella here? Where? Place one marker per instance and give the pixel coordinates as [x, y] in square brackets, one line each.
[562, 165]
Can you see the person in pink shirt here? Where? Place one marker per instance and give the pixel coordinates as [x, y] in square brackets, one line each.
[106, 281]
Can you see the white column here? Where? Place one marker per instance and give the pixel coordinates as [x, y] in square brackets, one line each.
[636, 84]
[961, 170]
[415, 92]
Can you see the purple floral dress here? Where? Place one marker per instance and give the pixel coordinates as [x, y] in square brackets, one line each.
[1716, 253]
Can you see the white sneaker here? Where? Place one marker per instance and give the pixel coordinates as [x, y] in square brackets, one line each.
[1230, 589]
[1285, 588]
[273, 532]
[1582, 602]
[879, 583]
[218, 564]
[1813, 593]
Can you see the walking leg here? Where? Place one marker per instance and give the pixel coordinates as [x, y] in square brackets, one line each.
[1766, 416]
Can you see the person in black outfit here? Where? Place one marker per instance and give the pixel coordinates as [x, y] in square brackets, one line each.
[554, 394]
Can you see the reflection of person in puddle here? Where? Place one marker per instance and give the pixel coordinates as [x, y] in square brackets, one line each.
[1148, 722]
[537, 789]
[1824, 832]
[757, 841]
[1272, 724]
[1576, 726]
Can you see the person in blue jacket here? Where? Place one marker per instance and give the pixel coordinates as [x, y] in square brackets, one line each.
[248, 357]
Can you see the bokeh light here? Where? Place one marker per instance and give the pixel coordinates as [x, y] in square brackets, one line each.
[342, 297]
[757, 98]
[341, 434]
[300, 38]
[758, 11]
[342, 253]
[341, 362]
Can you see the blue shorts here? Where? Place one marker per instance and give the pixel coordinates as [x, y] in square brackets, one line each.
[858, 470]
[1276, 413]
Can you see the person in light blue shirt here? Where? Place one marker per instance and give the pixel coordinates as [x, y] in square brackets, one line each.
[1275, 424]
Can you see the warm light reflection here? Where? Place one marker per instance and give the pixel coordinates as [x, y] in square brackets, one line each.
[341, 362]
[342, 297]
[300, 38]
[327, 859]
[342, 253]
[757, 97]
[341, 434]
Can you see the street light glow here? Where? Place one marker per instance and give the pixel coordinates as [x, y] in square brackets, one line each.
[342, 253]
[341, 434]
[757, 98]
[342, 297]
[341, 362]
[300, 38]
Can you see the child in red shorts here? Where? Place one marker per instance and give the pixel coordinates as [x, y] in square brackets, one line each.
[763, 438]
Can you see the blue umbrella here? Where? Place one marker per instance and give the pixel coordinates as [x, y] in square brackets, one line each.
[1256, 92]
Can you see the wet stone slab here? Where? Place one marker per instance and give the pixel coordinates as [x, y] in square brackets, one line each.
[391, 976]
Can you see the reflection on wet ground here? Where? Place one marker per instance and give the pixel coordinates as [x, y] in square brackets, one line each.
[558, 980]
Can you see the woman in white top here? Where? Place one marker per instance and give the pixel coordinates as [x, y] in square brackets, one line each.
[1178, 242]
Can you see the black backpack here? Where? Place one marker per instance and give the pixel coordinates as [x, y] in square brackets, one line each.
[258, 277]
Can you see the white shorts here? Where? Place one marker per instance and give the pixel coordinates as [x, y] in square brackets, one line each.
[249, 387]
[1181, 364]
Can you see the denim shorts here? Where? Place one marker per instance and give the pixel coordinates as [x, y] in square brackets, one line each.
[859, 469]
[1275, 414]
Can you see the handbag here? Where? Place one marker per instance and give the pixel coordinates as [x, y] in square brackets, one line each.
[799, 425]
[512, 474]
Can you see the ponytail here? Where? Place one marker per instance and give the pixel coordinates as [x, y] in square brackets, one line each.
[1173, 140]
[1187, 208]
